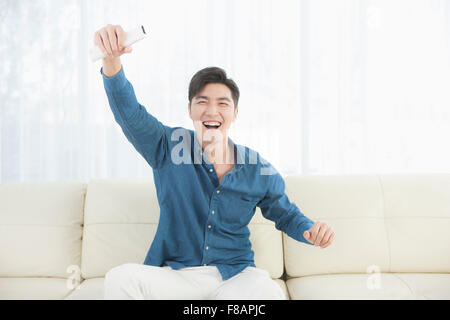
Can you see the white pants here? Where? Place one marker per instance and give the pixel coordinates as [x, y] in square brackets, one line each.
[143, 282]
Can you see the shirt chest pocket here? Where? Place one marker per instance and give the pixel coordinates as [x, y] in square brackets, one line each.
[240, 211]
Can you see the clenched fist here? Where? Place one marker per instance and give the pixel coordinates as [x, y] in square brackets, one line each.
[110, 40]
[320, 235]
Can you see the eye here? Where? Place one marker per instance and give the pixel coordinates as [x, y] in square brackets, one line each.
[200, 102]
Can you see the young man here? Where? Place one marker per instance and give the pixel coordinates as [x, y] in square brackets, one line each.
[207, 187]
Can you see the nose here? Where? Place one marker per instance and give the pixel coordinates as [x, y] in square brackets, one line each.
[211, 110]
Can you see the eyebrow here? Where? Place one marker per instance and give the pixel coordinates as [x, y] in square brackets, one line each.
[207, 98]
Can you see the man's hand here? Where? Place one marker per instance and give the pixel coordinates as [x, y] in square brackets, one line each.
[110, 39]
[320, 235]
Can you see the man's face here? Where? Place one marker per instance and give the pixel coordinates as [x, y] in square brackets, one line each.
[211, 107]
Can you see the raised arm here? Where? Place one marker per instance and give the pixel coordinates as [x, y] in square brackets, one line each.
[143, 130]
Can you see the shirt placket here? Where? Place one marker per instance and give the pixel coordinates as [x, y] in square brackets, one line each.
[211, 220]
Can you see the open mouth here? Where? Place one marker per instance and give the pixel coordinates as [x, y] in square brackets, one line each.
[211, 125]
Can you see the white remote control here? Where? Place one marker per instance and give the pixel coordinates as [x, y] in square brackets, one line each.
[131, 37]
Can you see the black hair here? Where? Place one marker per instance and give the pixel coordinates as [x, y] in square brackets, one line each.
[212, 75]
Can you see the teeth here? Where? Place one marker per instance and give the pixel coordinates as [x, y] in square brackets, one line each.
[211, 123]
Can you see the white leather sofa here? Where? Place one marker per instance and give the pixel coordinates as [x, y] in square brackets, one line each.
[58, 239]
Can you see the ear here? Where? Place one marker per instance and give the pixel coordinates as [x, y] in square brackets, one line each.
[236, 111]
[189, 110]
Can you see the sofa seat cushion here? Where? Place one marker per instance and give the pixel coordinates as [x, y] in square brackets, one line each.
[385, 286]
[89, 289]
[92, 289]
[33, 288]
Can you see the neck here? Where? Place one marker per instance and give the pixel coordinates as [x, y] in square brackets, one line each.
[217, 152]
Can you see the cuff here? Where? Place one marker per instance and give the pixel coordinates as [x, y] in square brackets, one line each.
[115, 82]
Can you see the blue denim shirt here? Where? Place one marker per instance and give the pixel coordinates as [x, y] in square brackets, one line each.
[202, 221]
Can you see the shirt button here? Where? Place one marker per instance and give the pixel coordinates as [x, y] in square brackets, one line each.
[207, 248]
[210, 170]
[209, 227]
[212, 212]
[218, 191]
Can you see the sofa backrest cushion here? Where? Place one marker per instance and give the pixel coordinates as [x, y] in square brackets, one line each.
[382, 223]
[120, 222]
[41, 228]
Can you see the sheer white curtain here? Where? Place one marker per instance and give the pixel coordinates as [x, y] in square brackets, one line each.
[376, 87]
[326, 86]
